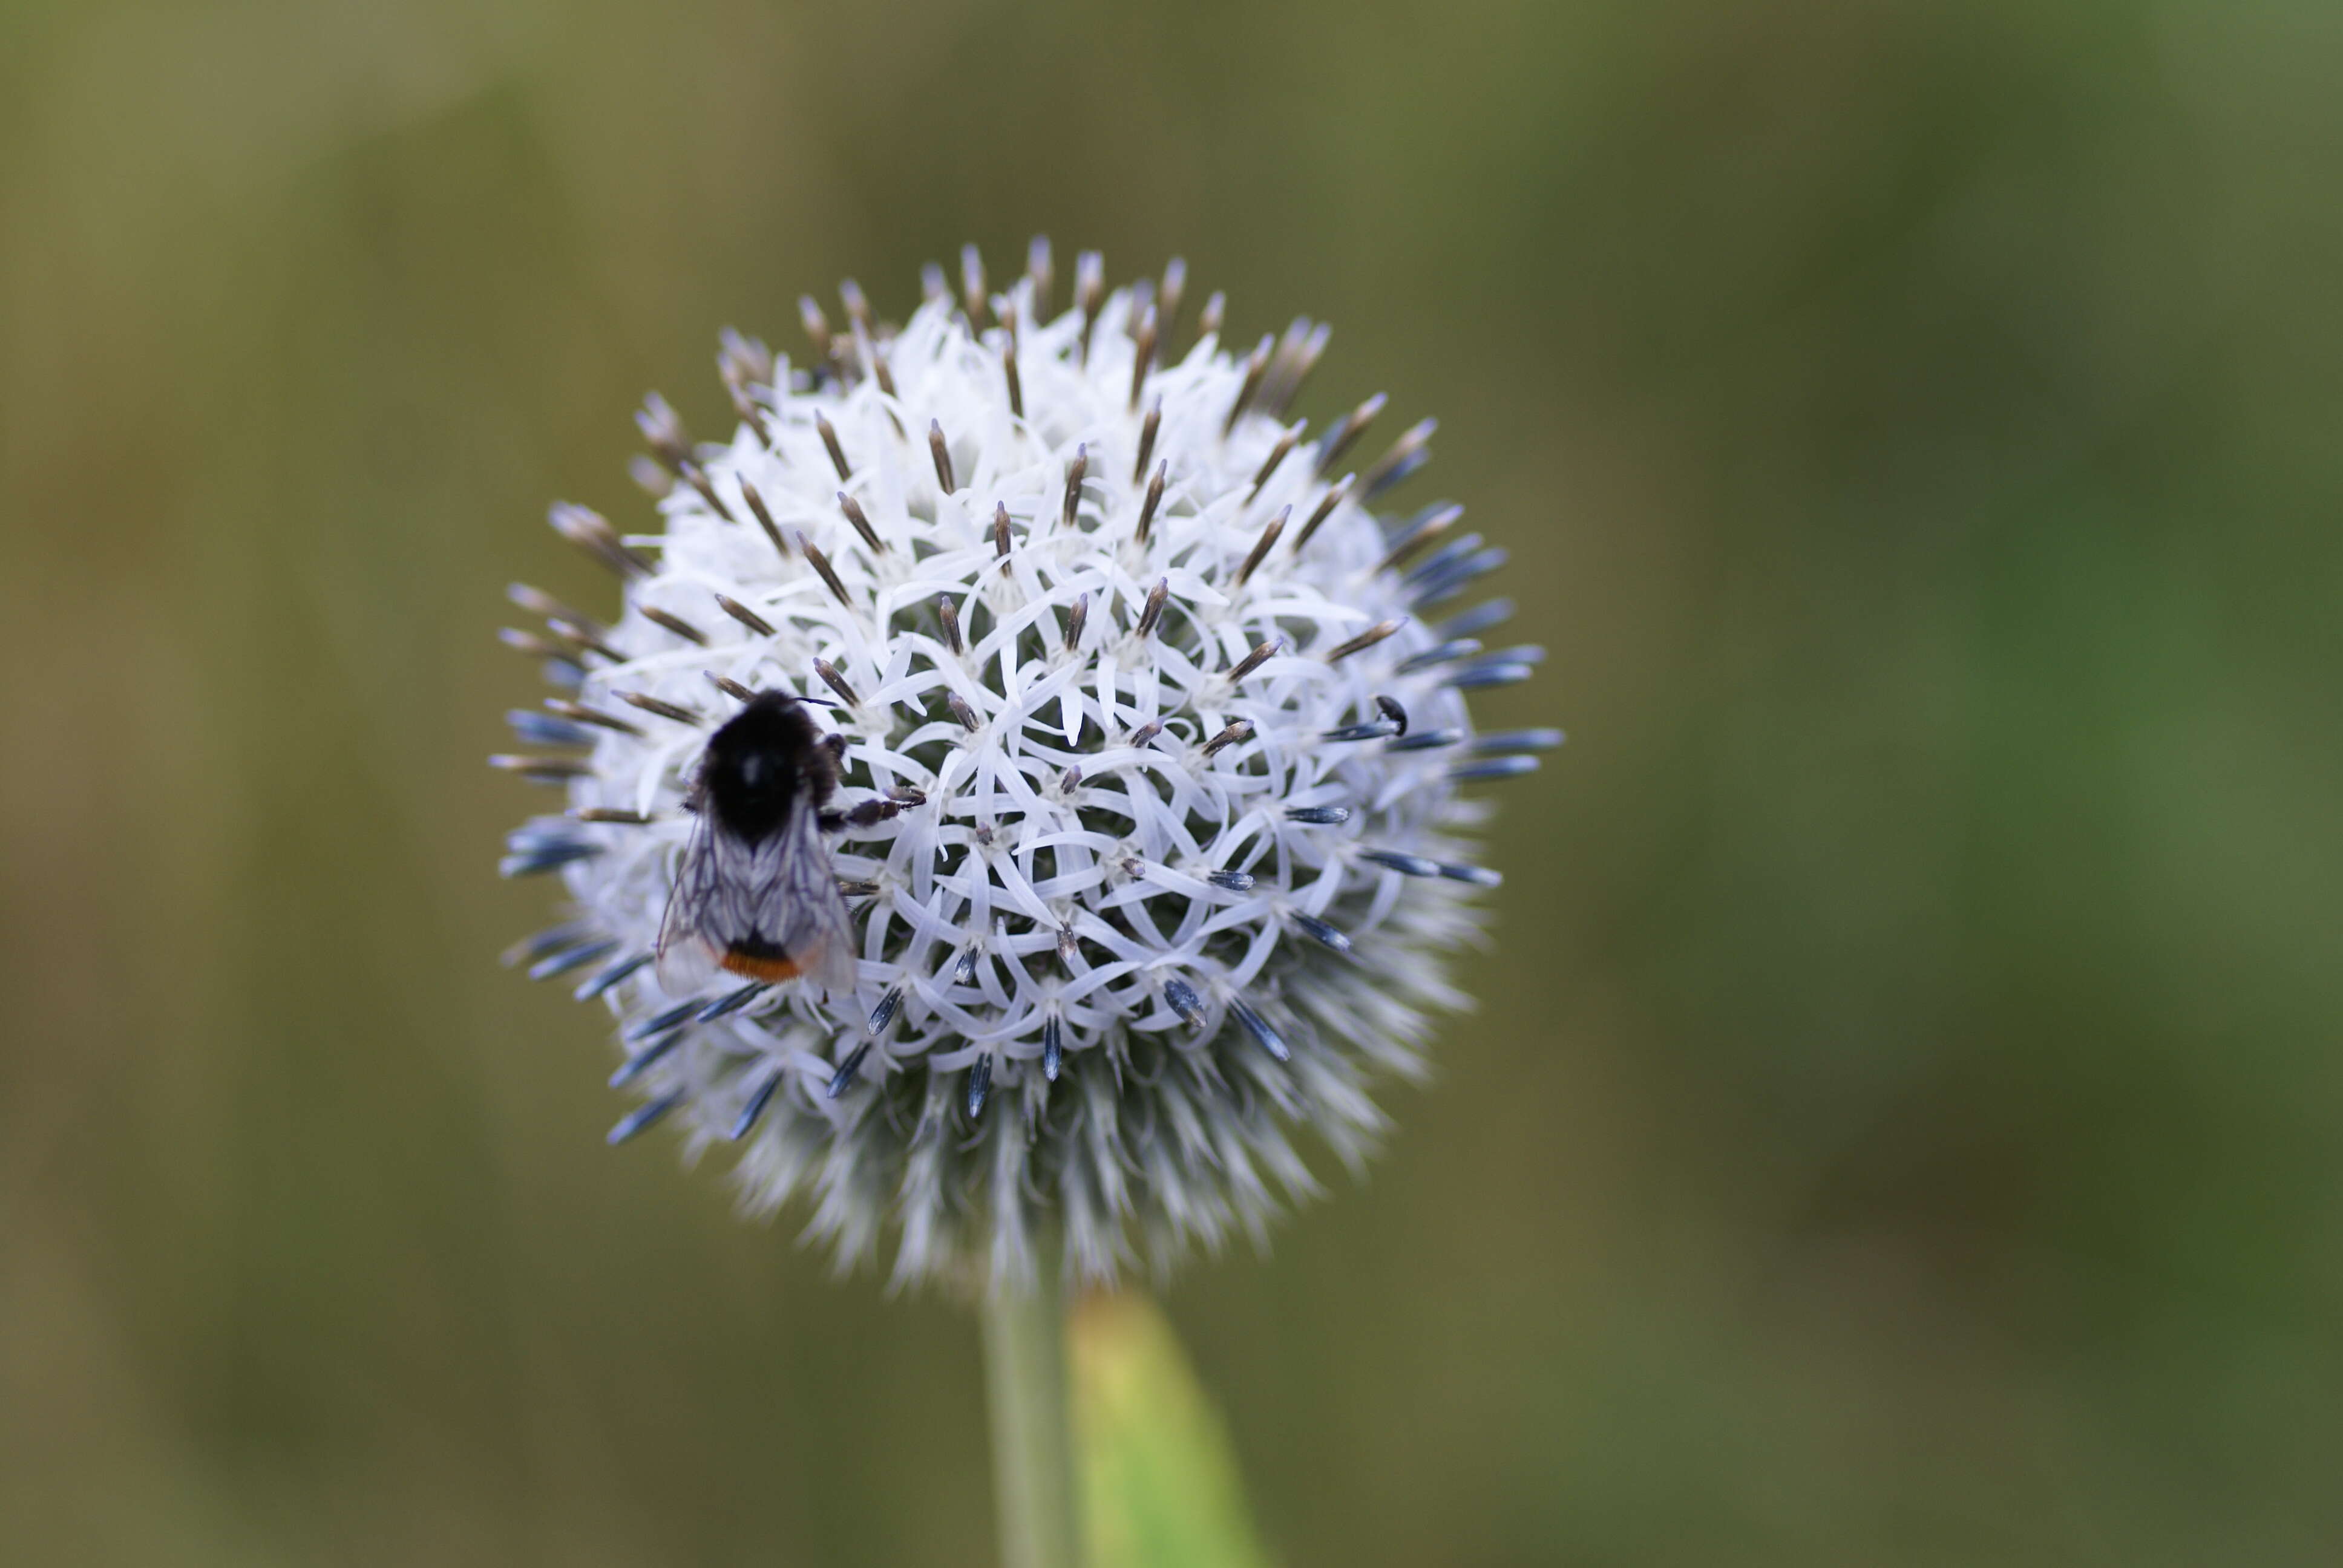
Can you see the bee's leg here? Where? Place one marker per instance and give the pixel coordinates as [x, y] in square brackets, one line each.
[836, 744]
[867, 814]
[871, 812]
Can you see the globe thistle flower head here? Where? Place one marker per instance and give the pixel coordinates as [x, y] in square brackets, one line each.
[1151, 743]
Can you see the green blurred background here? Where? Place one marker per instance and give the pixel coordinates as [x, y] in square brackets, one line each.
[1903, 1125]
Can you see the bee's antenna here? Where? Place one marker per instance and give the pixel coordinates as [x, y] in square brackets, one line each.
[739, 693]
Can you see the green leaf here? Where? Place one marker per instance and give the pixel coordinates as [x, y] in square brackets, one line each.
[1159, 1485]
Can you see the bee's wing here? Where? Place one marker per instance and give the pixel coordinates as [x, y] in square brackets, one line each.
[806, 910]
[779, 893]
[691, 948]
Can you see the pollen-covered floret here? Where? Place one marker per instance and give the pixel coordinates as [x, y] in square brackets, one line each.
[1148, 822]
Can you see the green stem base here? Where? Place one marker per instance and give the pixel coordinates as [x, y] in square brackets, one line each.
[1032, 1442]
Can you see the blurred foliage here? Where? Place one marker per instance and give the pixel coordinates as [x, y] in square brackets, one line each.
[1161, 1487]
[1903, 1126]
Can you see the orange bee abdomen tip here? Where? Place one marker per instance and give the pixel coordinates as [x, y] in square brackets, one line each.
[756, 967]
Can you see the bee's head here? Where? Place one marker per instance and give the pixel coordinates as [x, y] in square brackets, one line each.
[759, 764]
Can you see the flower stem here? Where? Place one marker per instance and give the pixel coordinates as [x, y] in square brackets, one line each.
[1032, 1446]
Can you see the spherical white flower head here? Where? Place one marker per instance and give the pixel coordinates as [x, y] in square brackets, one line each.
[1149, 777]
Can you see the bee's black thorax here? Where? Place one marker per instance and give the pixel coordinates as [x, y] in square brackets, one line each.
[761, 763]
